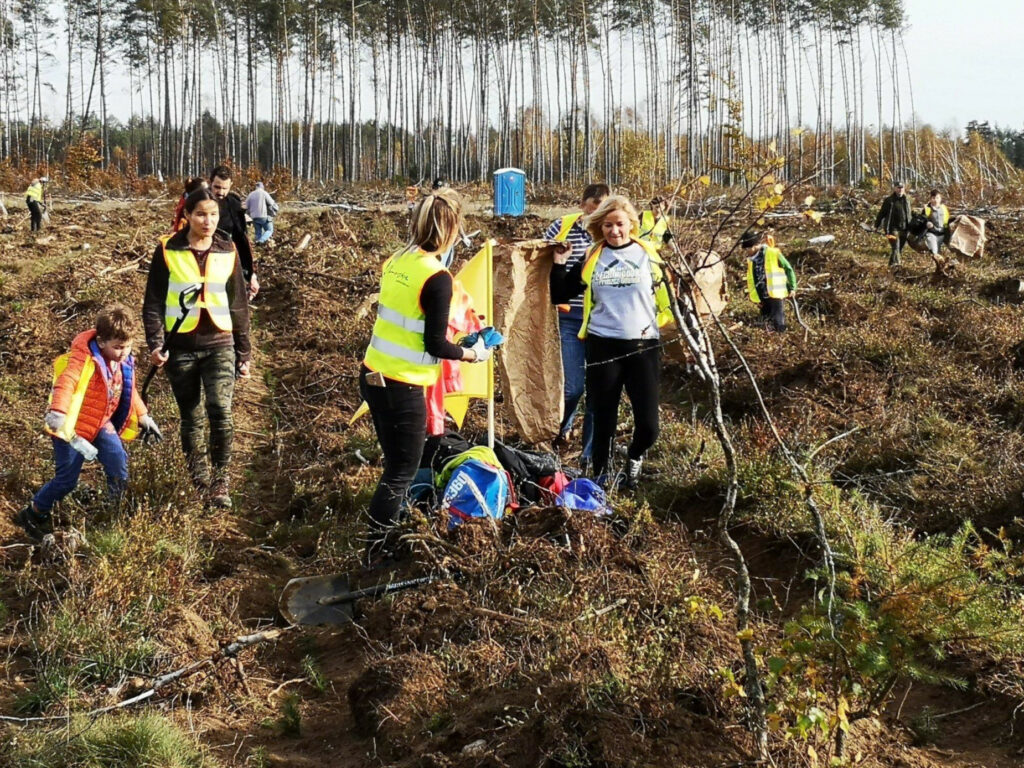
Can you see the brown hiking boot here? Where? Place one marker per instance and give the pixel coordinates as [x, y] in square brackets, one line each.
[220, 494]
[199, 471]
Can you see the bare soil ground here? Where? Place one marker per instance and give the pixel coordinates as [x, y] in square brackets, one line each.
[516, 663]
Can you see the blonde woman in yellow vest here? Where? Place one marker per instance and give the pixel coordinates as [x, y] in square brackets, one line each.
[572, 230]
[211, 346]
[625, 303]
[405, 351]
[937, 216]
[770, 279]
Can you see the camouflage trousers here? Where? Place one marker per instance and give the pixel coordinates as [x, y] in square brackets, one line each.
[209, 372]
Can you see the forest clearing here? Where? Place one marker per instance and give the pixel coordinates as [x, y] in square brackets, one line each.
[570, 640]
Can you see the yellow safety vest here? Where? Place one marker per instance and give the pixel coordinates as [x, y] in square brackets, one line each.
[653, 228]
[567, 222]
[775, 277]
[945, 214]
[396, 349]
[67, 430]
[35, 192]
[662, 303]
[184, 274]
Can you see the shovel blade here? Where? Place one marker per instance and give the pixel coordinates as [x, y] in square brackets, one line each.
[301, 600]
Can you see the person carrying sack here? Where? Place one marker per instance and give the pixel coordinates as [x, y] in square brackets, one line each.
[937, 216]
[211, 346]
[770, 279]
[404, 355]
[895, 215]
[94, 408]
[625, 303]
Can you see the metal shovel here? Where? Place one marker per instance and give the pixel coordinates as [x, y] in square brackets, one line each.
[330, 600]
[186, 300]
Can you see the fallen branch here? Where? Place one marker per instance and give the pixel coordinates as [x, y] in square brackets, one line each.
[227, 652]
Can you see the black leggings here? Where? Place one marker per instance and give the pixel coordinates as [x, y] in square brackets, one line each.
[399, 414]
[35, 210]
[614, 364]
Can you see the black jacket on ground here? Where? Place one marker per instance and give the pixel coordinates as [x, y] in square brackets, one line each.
[232, 227]
[894, 214]
[206, 335]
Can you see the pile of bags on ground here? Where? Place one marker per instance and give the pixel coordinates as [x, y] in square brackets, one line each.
[466, 481]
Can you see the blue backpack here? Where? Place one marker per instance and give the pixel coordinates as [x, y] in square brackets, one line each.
[584, 495]
[476, 489]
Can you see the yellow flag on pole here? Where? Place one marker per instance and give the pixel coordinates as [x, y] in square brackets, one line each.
[477, 279]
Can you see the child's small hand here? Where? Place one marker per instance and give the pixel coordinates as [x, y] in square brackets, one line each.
[54, 421]
[243, 370]
[158, 357]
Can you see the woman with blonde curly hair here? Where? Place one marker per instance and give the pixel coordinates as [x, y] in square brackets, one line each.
[625, 302]
[405, 352]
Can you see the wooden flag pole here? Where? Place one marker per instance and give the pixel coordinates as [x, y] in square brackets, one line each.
[489, 249]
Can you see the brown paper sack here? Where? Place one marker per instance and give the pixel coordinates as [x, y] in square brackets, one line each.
[530, 362]
[710, 296]
[968, 238]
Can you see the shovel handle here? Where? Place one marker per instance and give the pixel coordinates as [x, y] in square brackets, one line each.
[377, 590]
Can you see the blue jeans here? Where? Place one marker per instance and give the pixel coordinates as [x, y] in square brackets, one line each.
[69, 466]
[262, 229]
[574, 367]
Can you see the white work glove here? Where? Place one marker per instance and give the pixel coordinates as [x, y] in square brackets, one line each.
[149, 431]
[483, 354]
[54, 421]
[84, 447]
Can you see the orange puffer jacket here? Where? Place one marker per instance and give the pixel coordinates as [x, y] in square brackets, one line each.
[109, 395]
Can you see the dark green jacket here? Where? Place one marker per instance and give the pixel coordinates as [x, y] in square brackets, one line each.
[894, 214]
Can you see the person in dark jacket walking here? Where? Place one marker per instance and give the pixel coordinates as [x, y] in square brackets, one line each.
[212, 344]
[895, 216]
[231, 224]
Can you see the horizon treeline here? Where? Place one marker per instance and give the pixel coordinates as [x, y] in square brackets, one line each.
[633, 91]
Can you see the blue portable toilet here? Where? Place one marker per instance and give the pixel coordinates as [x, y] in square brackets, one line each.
[509, 192]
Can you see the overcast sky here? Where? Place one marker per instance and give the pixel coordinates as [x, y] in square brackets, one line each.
[967, 61]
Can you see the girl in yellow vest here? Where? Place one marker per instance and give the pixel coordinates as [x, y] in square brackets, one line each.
[211, 345]
[937, 215]
[770, 278]
[625, 302]
[405, 352]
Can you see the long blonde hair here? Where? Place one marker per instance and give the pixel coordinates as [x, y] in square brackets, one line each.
[436, 221]
[609, 204]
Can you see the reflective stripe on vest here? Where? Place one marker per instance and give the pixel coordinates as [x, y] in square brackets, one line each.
[775, 277]
[652, 229]
[662, 305]
[945, 214]
[397, 349]
[567, 222]
[67, 429]
[183, 270]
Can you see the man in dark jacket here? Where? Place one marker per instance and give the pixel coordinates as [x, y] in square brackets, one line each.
[895, 216]
[232, 223]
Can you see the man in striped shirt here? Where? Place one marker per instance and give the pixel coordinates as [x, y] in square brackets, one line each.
[571, 229]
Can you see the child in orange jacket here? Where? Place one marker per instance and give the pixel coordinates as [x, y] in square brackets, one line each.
[95, 404]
